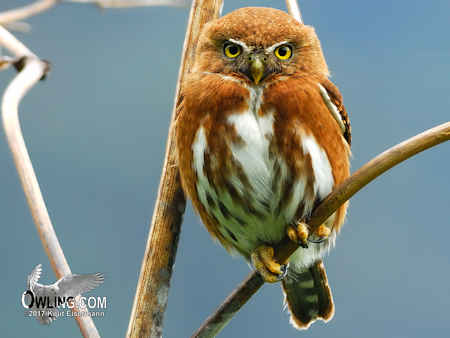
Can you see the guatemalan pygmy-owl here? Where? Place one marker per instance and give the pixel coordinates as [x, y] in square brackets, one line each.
[262, 137]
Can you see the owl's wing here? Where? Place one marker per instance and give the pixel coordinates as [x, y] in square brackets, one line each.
[333, 99]
[74, 285]
[34, 276]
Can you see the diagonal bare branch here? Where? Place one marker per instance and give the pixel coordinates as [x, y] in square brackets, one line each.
[16, 47]
[26, 11]
[32, 70]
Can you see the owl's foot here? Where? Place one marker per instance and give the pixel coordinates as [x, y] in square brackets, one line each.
[264, 262]
[321, 233]
[299, 234]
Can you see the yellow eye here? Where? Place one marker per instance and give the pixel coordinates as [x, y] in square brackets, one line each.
[283, 52]
[231, 50]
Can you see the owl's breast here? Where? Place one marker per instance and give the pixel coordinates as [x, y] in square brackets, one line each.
[246, 184]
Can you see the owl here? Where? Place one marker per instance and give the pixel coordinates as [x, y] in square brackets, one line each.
[262, 137]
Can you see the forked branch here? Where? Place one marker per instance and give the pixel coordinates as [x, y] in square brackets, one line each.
[31, 70]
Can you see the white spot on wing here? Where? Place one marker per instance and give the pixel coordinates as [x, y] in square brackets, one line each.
[332, 108]
[298, 193]
[323, 176]
[198, 148]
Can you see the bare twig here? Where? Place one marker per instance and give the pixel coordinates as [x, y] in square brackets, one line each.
[18, 26]
[132, 3]
[16, 47]
[367, 173]
[32, 70]
[152, 291]
[26, 11]
[9, 17]
[294, 10]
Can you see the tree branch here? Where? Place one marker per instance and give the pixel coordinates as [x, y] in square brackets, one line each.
[26, 11]
[9, 17]
[32, 70]
[154, 281]
[132, 3]
[294, 10]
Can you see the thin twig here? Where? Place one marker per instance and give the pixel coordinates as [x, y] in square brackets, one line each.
[294, 10]
[18, 26]
[33, 70]
[16, 47]
[8, 17]
[26, 11]
[154, 281]
[132, 3]
[367, 173]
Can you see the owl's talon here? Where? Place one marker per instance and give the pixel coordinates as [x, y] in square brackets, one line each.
[299, 234]
[322, 231]
[264, 262]
[284, 270]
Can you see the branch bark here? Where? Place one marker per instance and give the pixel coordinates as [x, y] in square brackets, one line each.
[154, 281]
[33, 70]
[294, 10]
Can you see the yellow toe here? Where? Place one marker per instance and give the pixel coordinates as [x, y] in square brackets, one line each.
[264, 262]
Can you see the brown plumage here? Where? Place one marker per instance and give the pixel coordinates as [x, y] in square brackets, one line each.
[258, 147]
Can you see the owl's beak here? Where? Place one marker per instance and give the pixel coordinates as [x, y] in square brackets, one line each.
[256, 68]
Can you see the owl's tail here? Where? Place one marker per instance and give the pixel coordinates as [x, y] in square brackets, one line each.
[308, 296]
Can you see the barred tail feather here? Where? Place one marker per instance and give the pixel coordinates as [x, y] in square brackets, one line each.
[308, 296]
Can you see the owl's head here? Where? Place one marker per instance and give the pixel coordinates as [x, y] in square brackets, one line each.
[257, 44]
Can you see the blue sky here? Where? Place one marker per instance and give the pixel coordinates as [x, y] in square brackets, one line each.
[96, 131]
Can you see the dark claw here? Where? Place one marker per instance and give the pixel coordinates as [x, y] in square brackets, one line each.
[304, 245]
[284, 270]
[316, 240]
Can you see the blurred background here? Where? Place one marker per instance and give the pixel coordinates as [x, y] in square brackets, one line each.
[96, 131]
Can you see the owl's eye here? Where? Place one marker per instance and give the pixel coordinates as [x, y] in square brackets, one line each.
[283, 52]
[232, 50]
